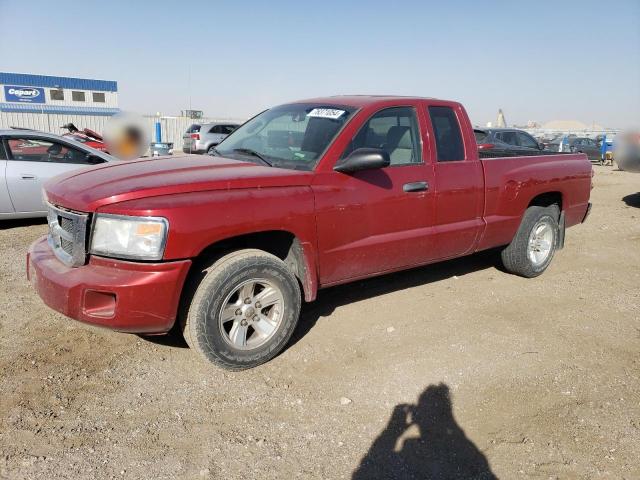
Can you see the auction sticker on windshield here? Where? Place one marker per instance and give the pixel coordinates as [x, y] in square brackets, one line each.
[331, 113]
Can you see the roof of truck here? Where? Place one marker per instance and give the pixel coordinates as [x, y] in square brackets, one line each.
[361, 100]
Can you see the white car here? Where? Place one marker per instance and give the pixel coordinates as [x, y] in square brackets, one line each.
[28, 158]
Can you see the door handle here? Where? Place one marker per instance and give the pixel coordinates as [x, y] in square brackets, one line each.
[415, 187]
[27, 176]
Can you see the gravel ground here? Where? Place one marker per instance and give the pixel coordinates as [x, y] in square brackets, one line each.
[457, 370]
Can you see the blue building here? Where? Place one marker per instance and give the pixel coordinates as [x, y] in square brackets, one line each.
[44, 94]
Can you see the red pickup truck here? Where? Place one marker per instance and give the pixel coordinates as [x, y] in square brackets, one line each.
[303, 196]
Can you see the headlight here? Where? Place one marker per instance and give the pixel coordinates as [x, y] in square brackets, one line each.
[140, 238]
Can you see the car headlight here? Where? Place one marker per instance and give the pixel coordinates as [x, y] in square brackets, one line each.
[139, 238]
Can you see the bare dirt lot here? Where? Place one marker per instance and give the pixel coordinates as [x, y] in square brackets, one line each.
[457, 370]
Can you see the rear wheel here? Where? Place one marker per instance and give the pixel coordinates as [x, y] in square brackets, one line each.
[211, 150]
[532, 249]
[244, 310]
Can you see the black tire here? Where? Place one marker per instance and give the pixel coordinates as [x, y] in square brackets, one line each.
[210, 150]
[515, 257]
[200, 324]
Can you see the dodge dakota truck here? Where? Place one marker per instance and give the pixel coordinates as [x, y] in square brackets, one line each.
[301, 197]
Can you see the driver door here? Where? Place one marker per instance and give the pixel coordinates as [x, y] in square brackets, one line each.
[32, 161]
[374, 221]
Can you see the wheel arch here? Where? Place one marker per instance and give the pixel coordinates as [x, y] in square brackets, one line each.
[297, 255]
[547, 199]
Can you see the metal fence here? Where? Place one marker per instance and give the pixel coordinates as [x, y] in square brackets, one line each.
[172, 127]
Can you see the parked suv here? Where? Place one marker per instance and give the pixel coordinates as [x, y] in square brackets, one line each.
[589, 146]
[202, 138]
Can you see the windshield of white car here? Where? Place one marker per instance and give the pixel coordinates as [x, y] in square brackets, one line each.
[291, 136]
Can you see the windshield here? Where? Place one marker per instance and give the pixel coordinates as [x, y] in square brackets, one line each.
[289, 136]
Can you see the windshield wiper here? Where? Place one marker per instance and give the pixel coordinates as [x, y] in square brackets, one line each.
[253, 153]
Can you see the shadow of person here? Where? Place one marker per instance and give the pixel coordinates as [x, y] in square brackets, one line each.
[423, 441]
[632, 200]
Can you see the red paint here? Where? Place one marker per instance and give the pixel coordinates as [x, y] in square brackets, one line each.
[146, 294]
[350, 226]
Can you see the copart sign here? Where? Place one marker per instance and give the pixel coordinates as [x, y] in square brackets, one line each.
[13, 93]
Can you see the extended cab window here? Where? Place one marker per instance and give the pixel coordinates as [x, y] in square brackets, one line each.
[37, 150]
[289, 136]
[447, 132]
[394, 130]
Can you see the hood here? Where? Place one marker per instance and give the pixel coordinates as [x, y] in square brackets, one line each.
[88, 189]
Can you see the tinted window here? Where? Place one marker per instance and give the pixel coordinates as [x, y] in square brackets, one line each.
[227, 129]
[507, 137]
[77, 96]
[480, 135]
[223, 129]
[56, 94]
[98, 97]
[37, 150]
[394, 130]
[195, 128]
[526, 140]
[447, 132]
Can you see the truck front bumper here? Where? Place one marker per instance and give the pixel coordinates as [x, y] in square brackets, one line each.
[125, 296]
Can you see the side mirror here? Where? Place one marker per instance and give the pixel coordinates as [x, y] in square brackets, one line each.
[364, 159]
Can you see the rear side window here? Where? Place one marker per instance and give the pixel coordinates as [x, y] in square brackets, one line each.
[447, 132]
[507, 137]
[526, 140]
[480, 135]
[195, 128]
[228, 129]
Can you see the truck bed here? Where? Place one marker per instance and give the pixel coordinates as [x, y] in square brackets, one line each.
[510, 183]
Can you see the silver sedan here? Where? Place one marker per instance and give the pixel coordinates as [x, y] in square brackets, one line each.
[28, 158]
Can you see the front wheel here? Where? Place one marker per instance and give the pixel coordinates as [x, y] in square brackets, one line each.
[244, 310]
[532, 249]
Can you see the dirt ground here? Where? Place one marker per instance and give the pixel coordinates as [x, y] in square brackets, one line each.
[457, 370]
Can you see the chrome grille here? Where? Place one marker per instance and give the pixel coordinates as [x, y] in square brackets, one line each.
[67, 235]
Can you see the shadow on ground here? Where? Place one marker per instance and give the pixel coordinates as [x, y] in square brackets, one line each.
[22, 222]
[334, 297]
[423, 441]
[331, 298]
[173, 338]
[632, 200]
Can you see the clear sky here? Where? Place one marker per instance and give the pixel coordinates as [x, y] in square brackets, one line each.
[541, 60]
